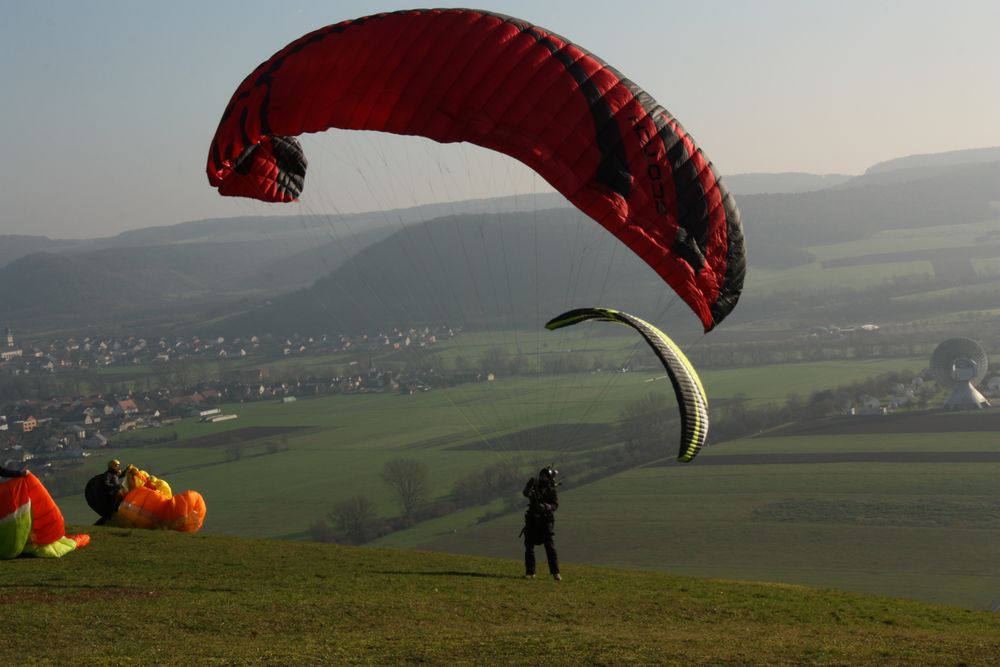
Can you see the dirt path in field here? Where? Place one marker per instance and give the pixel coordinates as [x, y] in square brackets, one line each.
[841, 457]
[239, 435]
[931, 421]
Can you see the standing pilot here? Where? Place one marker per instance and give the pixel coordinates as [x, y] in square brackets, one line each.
[540, 521]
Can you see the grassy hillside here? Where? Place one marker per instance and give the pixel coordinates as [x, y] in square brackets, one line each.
[136, 597]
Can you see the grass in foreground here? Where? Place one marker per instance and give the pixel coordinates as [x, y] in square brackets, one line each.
[138, 597]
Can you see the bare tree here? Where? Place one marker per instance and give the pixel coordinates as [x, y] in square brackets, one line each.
[495, 359]
[234, 452]
[643, 422]
[497, 481]
[407, 478]
[356, 518]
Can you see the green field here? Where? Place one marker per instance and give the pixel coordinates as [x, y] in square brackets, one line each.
[911, 530]
[149, 597]
[857, 526]
[815, 277]
[347, 439]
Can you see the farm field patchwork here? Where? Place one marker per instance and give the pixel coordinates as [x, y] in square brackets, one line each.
[852, 524]
[869, 271]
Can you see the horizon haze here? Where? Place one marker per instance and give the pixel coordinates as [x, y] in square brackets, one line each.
[113, 104]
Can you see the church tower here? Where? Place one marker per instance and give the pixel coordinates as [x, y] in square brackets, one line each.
[7, 350]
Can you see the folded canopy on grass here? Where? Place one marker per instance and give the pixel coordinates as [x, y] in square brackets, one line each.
[31, 523]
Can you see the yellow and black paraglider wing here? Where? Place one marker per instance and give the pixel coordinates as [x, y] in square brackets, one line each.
[691, 398]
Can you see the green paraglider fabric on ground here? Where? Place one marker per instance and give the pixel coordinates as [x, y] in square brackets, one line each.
[15, 528]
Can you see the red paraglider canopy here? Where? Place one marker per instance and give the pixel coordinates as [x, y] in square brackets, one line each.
[462, 75]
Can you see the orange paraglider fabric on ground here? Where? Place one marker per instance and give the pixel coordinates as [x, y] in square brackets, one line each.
[146, 508]
[30, 521]
[47, 524]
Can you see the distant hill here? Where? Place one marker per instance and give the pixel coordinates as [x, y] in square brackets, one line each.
[472, 271]
[94, 287]
[168, 270]
[252, 266]
[924, 167]
[461, 270]
[786, 182]
[264, 229]
[947, 159]
[956, 195]
[50, 289]
[13, 246]
[899, 170]
[305, 231]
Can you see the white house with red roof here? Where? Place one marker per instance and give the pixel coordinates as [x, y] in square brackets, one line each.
[126, 407]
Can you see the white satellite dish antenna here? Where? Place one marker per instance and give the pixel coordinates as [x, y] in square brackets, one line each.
[959, 364]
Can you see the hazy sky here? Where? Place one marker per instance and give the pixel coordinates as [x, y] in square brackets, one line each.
[108, 107]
